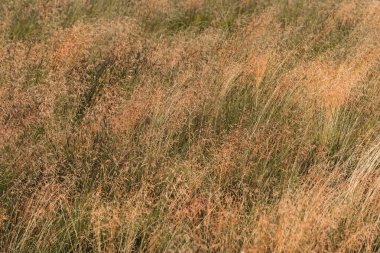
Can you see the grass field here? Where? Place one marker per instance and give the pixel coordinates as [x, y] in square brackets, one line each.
[189, 126]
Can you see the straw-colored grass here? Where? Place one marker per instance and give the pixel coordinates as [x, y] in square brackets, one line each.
[190, 126]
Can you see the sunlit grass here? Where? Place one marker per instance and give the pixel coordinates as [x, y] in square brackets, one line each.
[194, 125]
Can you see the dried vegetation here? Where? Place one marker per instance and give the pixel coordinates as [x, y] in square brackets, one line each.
[192, 125]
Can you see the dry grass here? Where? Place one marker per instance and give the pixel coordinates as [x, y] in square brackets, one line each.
[194, 125]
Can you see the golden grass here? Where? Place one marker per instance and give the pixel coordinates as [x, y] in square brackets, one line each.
[197, 125]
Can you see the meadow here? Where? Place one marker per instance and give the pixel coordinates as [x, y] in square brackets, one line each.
[189, 126]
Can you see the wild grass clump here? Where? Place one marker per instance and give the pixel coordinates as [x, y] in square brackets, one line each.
[197, 16]
[192, 125]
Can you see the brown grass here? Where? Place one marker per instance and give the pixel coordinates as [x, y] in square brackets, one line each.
[197, 125]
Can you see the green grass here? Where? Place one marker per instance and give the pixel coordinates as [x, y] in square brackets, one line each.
[94, 9]
[223, 15]
[25, 24]
[333, 39]
[149, 143]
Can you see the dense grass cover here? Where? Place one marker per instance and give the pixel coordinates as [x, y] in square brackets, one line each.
[192, 125]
